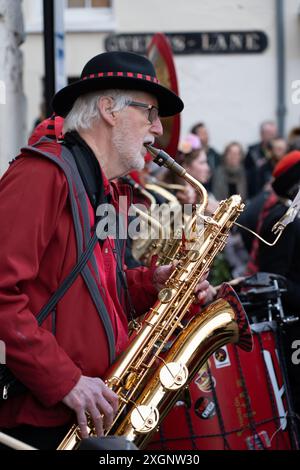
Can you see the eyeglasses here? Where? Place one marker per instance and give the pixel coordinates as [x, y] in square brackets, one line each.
[153, 112]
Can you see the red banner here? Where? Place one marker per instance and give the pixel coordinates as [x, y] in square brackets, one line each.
[160, 54]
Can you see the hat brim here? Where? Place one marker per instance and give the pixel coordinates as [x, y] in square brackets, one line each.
[168, 102]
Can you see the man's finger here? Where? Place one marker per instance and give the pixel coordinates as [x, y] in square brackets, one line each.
[97, 419]
[202, 286]
[107, 412]
[112, 399]
[82, 422]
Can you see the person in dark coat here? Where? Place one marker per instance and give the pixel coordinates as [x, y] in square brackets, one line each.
[213, 157]
[230, 177]
[258, 154]
[283, 258]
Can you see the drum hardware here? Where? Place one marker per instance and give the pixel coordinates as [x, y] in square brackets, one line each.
[278, 303]
[290, 319]
[263, 279]
[261, 297]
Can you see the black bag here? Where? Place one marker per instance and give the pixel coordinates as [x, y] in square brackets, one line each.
[9, 385]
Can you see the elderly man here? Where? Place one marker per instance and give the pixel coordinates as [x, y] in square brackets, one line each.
[49, 204]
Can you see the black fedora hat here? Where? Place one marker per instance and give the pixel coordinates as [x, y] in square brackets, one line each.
[122, 70]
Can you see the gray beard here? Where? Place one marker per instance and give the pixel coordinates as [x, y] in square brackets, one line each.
[126, 147]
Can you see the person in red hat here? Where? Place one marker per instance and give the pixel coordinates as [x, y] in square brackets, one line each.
[51, 208]
[283, 257]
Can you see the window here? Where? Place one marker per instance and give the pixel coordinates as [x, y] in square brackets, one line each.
[79, 15]
[89, 15]
[88, 3]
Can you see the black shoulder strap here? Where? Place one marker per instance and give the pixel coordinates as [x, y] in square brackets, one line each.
[88, 168]
[68, 281]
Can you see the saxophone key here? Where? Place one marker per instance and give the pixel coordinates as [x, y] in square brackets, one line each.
[194, 255]
[173, 375]
[166, 295]
[130, 380]
[144, 418]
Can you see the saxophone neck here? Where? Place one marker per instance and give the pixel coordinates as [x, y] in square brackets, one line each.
[161, 158]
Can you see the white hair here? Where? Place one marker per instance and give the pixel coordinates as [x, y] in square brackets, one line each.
[85, 109]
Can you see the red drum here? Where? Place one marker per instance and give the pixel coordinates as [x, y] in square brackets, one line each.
[237, 402]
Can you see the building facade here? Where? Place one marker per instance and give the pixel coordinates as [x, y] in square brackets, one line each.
[237, 61]
[12, 99]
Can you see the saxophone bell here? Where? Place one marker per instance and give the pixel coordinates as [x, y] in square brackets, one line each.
[224, 321]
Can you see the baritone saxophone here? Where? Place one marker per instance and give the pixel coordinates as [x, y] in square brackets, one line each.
[168, 349]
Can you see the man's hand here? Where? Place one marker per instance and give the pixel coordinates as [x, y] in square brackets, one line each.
[205, 294]
[92, 396]
[203, 290]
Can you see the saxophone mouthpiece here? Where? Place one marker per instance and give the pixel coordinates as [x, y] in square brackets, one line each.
[161, 158]
[154, 151]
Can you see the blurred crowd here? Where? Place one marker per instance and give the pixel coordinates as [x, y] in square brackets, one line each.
[248, 172]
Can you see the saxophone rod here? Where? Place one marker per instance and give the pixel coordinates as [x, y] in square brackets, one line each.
[258, 236]
[161, 158]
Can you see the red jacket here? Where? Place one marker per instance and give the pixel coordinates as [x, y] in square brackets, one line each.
[38, 250]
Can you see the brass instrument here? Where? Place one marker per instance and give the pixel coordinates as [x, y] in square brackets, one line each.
[169, 251]
[146, 378]
[145, 216]
[143, 249]
[142, 246]
[180, 224]
[168, 186]
[163, 190]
